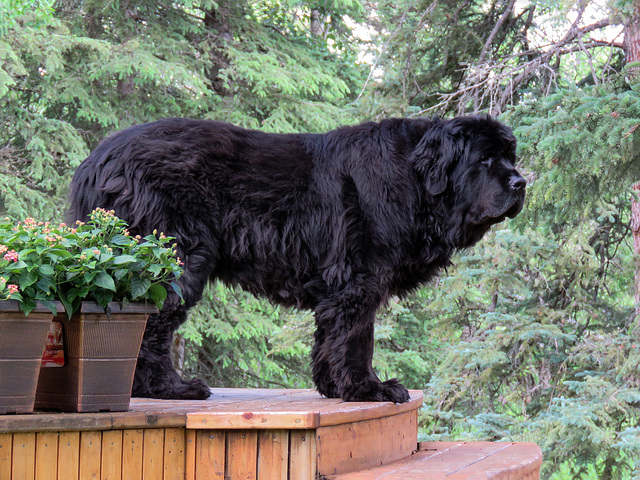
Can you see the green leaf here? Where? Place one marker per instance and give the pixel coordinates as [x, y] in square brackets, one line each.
[156, 269]
[121, 240]
[19, 265]
[103, 297]
[50, 305]
[139, 286]
[158, 294]
[177, 288]
[121, 259]
[121, 273]
[27, 305]
[28, 278]
[104, 280]
[46, 284]
[46, 270]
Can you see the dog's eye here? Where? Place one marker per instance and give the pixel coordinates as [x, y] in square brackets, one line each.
[486, 160]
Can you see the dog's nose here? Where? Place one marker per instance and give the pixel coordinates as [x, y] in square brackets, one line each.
[516, 182]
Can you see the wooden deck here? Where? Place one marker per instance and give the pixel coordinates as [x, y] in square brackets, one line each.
[239, 434]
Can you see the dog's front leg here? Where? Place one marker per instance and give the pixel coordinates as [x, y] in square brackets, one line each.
[343, 353]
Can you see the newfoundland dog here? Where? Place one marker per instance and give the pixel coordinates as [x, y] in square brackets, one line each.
[335, 223]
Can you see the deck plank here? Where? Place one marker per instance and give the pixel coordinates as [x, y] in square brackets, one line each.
[229, 408]
[302, 456]
[242, 455]
[366, 444]
[304, 409]
[174, 454]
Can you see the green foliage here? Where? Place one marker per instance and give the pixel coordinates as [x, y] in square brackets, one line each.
[236, 340]
[97, 261]
[584, 142]
[544, 350]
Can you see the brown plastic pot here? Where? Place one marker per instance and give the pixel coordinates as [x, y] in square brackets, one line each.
[22, 340]
[100, 354]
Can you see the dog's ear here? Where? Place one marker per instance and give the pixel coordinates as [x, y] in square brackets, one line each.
[437, 152]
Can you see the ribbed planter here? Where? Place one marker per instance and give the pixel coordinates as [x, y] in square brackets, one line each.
[100, 354]
[22, 340]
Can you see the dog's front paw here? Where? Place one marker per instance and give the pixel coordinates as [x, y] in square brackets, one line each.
[394, 391]
[376, 391]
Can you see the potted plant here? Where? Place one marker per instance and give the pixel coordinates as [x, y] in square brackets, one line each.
[107, 282]
[25, 313]
[22, 340]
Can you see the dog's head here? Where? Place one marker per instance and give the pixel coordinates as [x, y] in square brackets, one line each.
[468, 168]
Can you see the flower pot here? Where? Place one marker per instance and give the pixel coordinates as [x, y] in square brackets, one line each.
[100, 353]
[22, 340]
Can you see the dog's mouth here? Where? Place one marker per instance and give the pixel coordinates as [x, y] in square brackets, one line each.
[515, 209]
[491, 218]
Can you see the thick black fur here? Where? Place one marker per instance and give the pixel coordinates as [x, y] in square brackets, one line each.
[335, 223]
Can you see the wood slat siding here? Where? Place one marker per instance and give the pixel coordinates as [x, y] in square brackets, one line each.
[273, 458]
[68, 455]
[137, 454]
[302, 455]
[367, 444]
[132, 445]
[46, 454]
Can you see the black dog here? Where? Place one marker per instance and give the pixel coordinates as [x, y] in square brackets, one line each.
[335, 223]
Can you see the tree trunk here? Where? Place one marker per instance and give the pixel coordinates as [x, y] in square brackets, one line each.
[219, 35]
[177, 353]
[632, 54]
[316, 23]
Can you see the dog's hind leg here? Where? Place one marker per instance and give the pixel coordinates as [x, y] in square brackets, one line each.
[155, 375]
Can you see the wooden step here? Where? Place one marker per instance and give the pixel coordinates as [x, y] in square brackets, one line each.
[459, 461]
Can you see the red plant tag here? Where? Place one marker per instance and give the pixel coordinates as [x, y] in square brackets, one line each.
[53, 355]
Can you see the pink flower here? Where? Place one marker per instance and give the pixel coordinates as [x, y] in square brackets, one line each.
[11, 256]
[96, 252]
[12, 288]
[3, 248]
